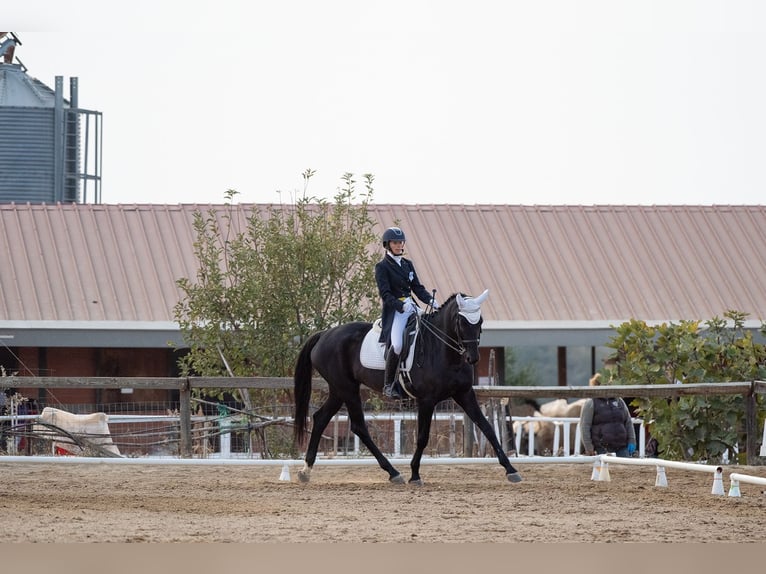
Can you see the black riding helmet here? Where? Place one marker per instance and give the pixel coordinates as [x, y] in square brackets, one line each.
[392, 234]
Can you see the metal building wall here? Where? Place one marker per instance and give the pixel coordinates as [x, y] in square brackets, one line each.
[27, 164]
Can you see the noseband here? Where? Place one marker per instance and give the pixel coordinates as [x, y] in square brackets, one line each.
[462, 342]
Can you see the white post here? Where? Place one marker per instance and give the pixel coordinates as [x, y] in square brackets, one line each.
[556, 437]
[763, 440]
[567, 440]
[225, 439]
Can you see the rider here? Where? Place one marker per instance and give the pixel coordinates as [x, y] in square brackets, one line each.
[397, 281]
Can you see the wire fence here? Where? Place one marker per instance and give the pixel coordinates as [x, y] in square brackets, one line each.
[221, 430]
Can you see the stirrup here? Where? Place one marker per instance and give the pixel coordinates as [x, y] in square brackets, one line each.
[391, 391]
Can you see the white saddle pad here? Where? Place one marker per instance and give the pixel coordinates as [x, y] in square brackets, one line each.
[372, 354]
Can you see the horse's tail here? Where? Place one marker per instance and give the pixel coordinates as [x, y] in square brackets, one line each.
[302, 389]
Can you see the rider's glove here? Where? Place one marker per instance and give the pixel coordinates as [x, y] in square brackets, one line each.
[409, 307]
[434, 304]
[631, 449]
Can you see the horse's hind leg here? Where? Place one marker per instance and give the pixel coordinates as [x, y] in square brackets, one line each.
[321, 419]
[470, 405]
[359, 428]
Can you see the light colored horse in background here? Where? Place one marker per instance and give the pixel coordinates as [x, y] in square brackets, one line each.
[545, 430]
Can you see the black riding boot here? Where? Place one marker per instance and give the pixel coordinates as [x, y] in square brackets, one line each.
[391, 387]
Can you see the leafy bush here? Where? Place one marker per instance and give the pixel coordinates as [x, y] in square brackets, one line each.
[720, 350]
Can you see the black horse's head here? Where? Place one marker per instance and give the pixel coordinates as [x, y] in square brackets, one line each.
[468, 322]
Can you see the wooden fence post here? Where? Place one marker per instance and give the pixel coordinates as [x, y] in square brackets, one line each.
[185, 419]
[468, 441]
[751, 427]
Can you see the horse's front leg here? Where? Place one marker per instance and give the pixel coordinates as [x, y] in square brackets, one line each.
[425, 412]
[470, 405]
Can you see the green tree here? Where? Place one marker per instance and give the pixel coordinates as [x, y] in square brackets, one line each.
[722, 350]
[269, 278]
[517, 375]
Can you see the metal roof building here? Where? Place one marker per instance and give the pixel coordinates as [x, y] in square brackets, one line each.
[105, 275]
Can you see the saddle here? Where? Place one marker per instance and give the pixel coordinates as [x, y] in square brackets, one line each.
[372, 353]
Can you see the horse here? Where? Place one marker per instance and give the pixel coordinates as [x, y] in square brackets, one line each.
[446, 348]
[545, 430]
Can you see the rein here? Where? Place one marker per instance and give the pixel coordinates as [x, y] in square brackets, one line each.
[457, 345]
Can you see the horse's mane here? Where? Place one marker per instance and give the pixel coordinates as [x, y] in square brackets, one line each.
[451, 297]
[444, 305]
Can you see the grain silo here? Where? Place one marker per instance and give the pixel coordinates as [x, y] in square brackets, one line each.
[50, 148]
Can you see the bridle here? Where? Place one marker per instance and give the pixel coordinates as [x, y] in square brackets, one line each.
[457, 345]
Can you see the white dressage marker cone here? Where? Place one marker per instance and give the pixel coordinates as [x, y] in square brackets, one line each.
[718, 482]
[596, 470]
[661, 480]
[734, 488]
[604, 474]
[285, 473]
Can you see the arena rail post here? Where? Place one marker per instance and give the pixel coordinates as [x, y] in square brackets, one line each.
[661, 480]
[184, 412]
[737, 477]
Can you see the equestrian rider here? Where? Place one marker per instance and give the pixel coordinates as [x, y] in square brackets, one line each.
[397, 281]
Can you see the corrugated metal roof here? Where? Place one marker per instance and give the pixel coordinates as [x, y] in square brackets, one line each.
[609, 263]
[592, 263]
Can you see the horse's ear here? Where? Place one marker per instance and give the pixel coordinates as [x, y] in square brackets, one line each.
[477, 301]
[481, 298]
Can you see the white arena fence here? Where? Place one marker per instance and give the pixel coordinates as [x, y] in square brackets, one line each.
[737, 477]
[601, 472]
[600, 465]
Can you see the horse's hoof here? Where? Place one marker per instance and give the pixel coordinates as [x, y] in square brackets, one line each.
[513, 477]
[417, 482]
[303, 477]
[398, 479]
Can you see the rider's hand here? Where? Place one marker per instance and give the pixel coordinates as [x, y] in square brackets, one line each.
[434, 304]
[409, 307]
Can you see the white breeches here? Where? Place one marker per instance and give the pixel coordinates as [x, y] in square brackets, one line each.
[397, 329]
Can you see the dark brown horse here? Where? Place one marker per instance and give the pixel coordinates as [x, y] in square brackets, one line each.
[446, 350]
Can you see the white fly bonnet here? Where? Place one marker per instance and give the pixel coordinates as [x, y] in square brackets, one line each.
[470, 307]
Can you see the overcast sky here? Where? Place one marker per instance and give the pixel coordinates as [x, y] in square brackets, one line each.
[518, 102]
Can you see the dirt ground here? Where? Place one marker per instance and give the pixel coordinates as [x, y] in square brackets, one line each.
[356, 504]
